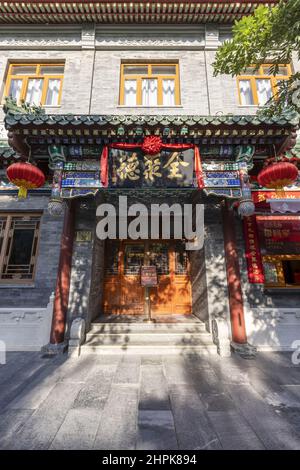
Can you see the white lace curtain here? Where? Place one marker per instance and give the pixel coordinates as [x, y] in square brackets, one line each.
[246, 92]
[15, 89]
[264, 90]
[168, 92]
[52, 98]
[149, 92]
[34, 91]
[130, 93]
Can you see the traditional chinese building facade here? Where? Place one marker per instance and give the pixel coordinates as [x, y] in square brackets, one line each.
[121, 107]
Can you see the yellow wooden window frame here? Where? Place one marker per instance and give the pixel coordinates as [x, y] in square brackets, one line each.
[149, 75]
[6, 236]
[261, 75]
[37, 75]
[277, 261]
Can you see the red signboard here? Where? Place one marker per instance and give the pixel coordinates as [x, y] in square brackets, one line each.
[279, 234]
[253, 257]
[262, 196]
[148, 276]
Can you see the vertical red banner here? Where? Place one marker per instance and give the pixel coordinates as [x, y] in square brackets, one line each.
[252, 251]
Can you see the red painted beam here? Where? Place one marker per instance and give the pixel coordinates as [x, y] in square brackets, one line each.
[236, 304]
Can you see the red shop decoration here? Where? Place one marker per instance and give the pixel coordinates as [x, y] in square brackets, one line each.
[151, 145]
[25, 176]
[252, 251]
[278, 175]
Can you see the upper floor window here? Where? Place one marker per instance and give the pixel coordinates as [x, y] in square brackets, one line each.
[149, 84]
[19, 234]
[39, 84]
[256, 87]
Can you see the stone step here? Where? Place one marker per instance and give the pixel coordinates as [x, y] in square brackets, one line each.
[148, 349]
[148, 339]
[130, 328]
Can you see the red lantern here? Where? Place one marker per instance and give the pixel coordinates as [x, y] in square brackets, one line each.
[25, 176]
[278, 175]
[152, 145]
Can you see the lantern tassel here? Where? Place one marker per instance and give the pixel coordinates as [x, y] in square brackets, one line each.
[22, 194]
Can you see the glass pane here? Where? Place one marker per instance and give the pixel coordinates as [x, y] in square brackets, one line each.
[168, 92]
[250, 71]
[264, 90]
[136, 69]
[281, 70]
[130, 92]
[134, 259]
[34, 91]
[246, 92]
[112, 258]
[15, 88]
[149, 92]
[181, 259]
[20, 254]
[52, 98]
[164, 69]
[159, 257]
[23, 70]
[52, 70]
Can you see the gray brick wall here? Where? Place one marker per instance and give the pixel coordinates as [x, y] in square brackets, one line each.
[92, 65]
[38, 292]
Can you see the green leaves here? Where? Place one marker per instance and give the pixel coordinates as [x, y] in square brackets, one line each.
[270, 35]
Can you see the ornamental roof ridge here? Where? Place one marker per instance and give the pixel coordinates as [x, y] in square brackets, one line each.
[35, 116]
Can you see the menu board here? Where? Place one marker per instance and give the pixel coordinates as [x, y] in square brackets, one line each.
[80, 178]
[222, 178]
[279, 234]
[148, 276]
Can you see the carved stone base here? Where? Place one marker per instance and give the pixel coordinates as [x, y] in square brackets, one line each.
[54, 349]
[220, 336]
[77, 337]
[246, 350]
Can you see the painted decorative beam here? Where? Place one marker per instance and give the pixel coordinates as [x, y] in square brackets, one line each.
[126, 11]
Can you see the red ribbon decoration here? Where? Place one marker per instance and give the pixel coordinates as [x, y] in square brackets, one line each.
[125, 146]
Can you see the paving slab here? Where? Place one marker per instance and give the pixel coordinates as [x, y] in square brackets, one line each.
[78, 430]
[118, 426]
[40, 429]
[273, 431]
[94, 392]
[193, 429]
[156, 430]
[233, 431]
[11, 421]
[154, 393]
[128, 370]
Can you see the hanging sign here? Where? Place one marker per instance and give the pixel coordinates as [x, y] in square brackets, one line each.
[279, 234]
[148, 276]
[252, 251]
[134, 168]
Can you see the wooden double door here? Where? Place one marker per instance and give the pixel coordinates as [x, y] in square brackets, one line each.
[123, 293]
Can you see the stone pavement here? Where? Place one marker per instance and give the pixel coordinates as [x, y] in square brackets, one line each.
[144, 402]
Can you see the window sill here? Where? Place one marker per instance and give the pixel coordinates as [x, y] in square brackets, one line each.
[139, 106]
[16, 286]
[249, 106]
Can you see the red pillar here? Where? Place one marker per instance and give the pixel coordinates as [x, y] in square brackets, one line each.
[233, 278]
[62, 289]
